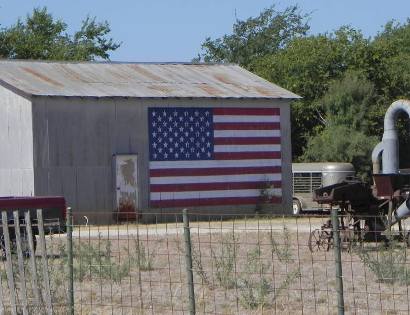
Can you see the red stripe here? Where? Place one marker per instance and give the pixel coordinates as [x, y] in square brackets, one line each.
[246, 155]
[246, 126]
[214, 171]
[246, 111]
[247, 140]
[211, 202]
[211, 186]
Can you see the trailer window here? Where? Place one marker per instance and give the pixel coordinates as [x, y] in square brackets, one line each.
[306, 182]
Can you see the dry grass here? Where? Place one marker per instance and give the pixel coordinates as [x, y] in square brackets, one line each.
[240, 267]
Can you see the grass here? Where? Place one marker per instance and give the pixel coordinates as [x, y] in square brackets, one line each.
[388, 263]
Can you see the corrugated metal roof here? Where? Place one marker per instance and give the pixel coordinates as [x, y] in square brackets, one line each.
[142, 80]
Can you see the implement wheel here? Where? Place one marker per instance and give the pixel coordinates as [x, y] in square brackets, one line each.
[319, 240]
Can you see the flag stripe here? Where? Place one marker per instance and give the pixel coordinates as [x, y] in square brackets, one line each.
[247, 148]
[245, 119]
[209, 194]
[215, 178]
[214, 186]
[211, 163]
[247, 111]
[247, 140]
[246, 133]
[211, 202]
[246, 155]
[246, 126]
[214, 171]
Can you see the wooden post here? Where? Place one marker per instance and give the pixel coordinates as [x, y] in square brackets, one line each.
[9, 263]
[46, 278]
[32, 257]
[20, 260]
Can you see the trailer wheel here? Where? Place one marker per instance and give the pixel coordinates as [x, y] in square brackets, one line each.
[296, 207]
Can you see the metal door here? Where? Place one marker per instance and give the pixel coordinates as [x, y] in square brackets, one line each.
[126, 182]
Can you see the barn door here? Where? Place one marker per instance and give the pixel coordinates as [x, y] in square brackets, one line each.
[126, 185]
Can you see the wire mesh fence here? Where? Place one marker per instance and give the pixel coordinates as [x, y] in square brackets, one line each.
[240, 265]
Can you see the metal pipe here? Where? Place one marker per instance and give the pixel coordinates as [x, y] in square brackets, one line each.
[376, 157]
[402, 212]
[390, 154]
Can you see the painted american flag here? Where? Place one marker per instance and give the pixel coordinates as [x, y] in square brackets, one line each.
[213, 156]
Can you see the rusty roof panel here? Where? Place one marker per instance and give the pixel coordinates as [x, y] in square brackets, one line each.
[98, 79]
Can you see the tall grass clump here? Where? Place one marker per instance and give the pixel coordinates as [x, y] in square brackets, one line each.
[224, 261]
[388, 263]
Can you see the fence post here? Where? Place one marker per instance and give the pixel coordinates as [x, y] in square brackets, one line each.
[338, 261]
[9, 263]
[188, 262]
[43, 251]
[69, 225]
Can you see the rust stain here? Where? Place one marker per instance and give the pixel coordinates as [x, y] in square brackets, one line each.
[115, 73]
[211, 90]
[145, 73]
[42, 76]
[161, 88]
[74, 74]
[223, 78]
[264, 91]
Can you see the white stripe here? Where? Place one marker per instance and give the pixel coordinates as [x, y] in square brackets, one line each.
[246, 133]
[246, 118]
[248, 148]
[215, 179]
[212, 163]
[211, 194]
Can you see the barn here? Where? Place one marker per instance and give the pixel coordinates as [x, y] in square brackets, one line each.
[151, 136]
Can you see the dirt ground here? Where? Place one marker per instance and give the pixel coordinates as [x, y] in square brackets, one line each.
[240, 267]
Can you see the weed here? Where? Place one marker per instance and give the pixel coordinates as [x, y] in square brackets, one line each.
[225, 261]
[283, 251]
[254, 290]
[388, 263]
[199, 268]
[144, 258]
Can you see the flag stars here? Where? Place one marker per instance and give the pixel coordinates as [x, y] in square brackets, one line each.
[180, 134]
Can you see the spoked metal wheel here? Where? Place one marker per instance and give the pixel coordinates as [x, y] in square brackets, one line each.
[319, 240]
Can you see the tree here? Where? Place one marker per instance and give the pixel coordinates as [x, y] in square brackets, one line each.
[40, 36]
[342, 144]
[256, 37]
[347, 135]
[307, 66]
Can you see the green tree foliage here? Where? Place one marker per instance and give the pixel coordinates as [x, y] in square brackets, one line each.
[346, 134]
[40, 36]
[266, 34]
[346, 81]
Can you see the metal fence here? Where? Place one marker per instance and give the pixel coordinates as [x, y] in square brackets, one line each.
[224, 265]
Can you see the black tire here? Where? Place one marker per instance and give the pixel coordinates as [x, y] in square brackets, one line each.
[296, 207]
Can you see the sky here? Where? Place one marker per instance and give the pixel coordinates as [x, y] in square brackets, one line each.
[173, 30]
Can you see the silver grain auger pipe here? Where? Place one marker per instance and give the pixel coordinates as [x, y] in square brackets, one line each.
[389, 146]
[402, 212]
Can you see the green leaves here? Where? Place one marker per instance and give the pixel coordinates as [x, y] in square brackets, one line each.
[256, 37]
[41, 36]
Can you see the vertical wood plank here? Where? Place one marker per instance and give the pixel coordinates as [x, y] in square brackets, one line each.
[42, 247]
[33, 267]
[20, 261]
[9, 264]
